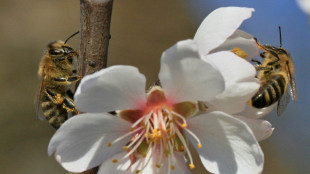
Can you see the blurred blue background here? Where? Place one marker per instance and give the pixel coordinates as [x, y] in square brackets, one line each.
[141, 31]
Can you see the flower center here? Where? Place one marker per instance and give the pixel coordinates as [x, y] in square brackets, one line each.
[160, 132]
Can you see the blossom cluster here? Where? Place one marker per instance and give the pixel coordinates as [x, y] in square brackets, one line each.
[202, 101]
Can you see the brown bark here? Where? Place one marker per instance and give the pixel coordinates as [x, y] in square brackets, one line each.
[95, 19]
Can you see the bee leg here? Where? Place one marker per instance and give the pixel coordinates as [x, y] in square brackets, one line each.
[56, 98]
[68, 79]
[263, 68]
[256, 61]
[68, 104]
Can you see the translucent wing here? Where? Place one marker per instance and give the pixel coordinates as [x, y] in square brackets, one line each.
[283, 102]
[292, 86]
[37, 103]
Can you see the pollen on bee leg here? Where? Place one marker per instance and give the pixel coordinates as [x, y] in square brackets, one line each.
[239, 52]
[114, 160]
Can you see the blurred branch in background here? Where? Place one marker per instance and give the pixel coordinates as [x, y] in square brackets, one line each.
[95, 20]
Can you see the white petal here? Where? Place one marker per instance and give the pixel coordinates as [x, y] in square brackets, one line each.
[262, 129]
[81, 142]
[113, 88]
[240, 81]
[185, 77]
[304, 5]
[252, 112]
[108, 167]
[240, 39]
[219, 25]
[229, 145]
[227, 106]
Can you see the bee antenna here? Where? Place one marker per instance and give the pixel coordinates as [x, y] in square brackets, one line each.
[71, 36]
[280, 36]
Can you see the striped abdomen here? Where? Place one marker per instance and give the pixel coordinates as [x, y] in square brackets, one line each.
[270, 91]
[54, 113]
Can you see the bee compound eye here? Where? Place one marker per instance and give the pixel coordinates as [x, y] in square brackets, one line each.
[55, 52]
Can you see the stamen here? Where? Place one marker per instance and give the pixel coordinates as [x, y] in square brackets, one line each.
[138, 171]
[134, 148]
[140, 119]
[157, 165]
[180, 116]
[195, 137]
[185, 146]
[114, 160]
[124, 136]
[172, 167]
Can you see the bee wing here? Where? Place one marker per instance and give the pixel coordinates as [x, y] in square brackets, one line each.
[283, 102]
[292, 86]
[37, 103]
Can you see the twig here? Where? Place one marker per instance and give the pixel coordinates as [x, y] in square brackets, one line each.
[95, 19]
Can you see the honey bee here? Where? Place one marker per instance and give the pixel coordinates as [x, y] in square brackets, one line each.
[276, 76]
[54, 100]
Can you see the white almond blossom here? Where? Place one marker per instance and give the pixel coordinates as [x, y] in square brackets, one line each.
[151, 132]
[217, 35]
[304, 5]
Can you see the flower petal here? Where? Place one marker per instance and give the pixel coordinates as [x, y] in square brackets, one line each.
[252, 112]
[229, 145]
[81, 142]
[185, 77]
[240, 81]
[304, 5]
[116, 168]
[113, 88]
[219, 25]
[240, 39]
[262, 129]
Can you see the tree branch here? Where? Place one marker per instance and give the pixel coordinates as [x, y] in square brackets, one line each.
[95, 19]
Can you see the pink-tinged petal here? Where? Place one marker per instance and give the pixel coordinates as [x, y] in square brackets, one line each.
[82, 142]
[262, 129]
[120, 167]
[229, 145]
[114, 88]
[240, 81]
[252, 112]
[240, 39]
[188, 78]
[219, 25]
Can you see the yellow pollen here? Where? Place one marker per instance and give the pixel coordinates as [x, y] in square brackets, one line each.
[125, 147]
[131, 129]
[184, 125]
[138, 171]
[172, 136]
[144, 155]
[199, 145]
[109, 144]
[115, 161]
[182, 148]
[191, 166]
[157, 165]
[239, 52]
[172, 167]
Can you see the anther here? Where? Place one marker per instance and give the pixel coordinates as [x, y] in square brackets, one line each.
[157, 165]
[115, 161]
[138, 171]
[199, 145]
[191, 166]
[109, 144]
[172, 167]
[131, 129]
[184, 125]
[125, 148]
